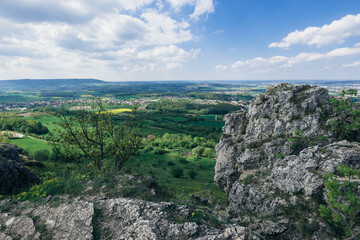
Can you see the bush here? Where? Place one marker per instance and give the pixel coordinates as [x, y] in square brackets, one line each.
[178, 172]
[192, 174]
[160, 151]
[197, 151]
[54, 186]
[183, 160]
[207, 152]
[343, 208]
[171, 163]
[42, 155]
[148, 148]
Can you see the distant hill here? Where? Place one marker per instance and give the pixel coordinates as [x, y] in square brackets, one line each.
[33, 84]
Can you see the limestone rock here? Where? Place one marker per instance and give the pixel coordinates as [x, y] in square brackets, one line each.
[272, 157]
[117, 218]
[136, 219]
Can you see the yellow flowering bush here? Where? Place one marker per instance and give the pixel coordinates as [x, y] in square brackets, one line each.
[48, 187]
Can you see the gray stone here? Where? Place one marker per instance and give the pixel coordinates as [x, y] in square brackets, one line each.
[278, 148]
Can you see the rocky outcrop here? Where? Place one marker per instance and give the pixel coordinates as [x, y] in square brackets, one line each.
[13, 175]
[272, 158]
[117, 218]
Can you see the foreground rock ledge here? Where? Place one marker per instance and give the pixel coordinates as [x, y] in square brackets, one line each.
[117, 218]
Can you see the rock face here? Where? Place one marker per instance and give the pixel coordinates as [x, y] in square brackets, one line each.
[271, 159]
[13, 175]
[117, 218]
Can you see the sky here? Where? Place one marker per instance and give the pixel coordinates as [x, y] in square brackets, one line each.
[134, 40]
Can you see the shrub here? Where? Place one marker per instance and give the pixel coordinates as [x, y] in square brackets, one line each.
[197, 151]
[343, 199]
[192, 174]
[183, 160]
[178, 172]
[42, 155]
[207, 152]
[160, 151]
[148, 148]
[171, 163]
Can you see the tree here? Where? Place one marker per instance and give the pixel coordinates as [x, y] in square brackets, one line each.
[343, 208]
[347, 113]
[93, 135]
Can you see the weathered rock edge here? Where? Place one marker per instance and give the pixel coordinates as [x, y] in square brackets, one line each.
[117, 218]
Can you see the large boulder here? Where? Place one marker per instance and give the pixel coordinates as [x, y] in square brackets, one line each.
[272, 157]
[13, 175]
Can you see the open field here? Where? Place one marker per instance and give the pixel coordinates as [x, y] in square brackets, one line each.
[30, 144]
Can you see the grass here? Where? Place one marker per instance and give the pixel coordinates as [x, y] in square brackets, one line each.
[31, 145]
[180, 187]
[47, 120]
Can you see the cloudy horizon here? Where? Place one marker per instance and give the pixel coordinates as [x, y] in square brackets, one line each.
[122, 40]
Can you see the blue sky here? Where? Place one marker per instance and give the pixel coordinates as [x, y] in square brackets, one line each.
[120, 40]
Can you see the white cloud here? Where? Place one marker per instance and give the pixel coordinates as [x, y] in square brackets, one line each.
[177, 4]
[282, 61]
[173, 65]
[335, 32]
[202, 7]
[260, 62]
[75, 38]
[169, 53]
[218, 32]
[221, 68]
[354, 64]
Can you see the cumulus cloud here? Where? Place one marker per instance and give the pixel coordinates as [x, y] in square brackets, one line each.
[177, 4]
[81, 36]
[202, 7]
[354, 64]
[335, 32]
[169, 53]
[282, 61]
[221, 67]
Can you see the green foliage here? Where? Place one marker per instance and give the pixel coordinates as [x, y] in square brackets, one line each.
[343, 208]
[299, 133]
[198, 151]
[4, 139]
[177, 172]
[94, 136]
[249, 179]
[171, 163]
[200, 216]
[160, 151]
[186, 106]
[348, 113]
[42, 155]
[55, 186]
[13, 123]
[192, 174]
[207, 152]
[147, 188]
[183, 160]
[351, 92]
